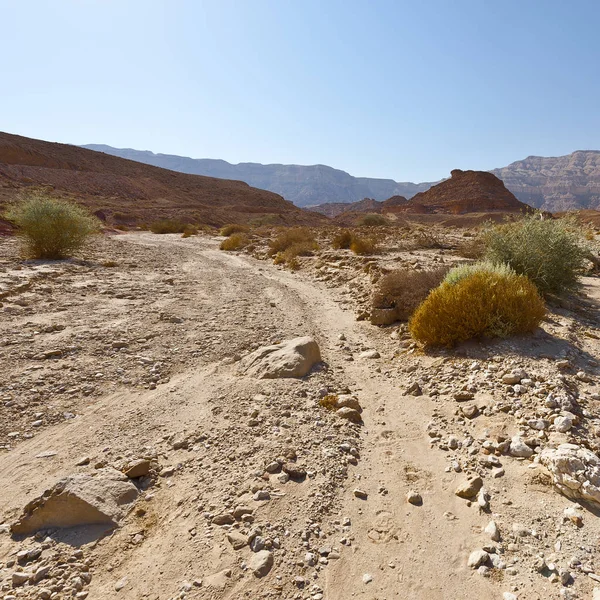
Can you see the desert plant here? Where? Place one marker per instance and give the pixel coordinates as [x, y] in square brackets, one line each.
[551, 252]
[372, 220]
[405, 289]
[232, 228]
[236, 241]
[52, 228]
[288, 237]
[472, 247]
[461, 271]
[484, 303]
[363, 245]
[342, 240]
[168, 226]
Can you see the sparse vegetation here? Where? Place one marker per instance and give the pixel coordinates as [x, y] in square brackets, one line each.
[484, 303]
[236, 241]
[551, 252]
[405, 289]
[52, 228]
[372, 220]
[462, 271]
[228, 230]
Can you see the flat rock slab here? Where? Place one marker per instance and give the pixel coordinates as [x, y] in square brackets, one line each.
[79, 500]
[293, 358]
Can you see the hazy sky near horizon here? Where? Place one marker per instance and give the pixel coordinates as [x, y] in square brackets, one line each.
[381, 88]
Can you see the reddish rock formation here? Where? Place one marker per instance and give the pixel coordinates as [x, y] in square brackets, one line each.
[465, 192]
[132, 192]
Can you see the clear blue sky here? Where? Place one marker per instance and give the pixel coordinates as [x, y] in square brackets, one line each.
[382, 88]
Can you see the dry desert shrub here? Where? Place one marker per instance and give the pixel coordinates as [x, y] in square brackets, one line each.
[232, 228]
[363, 245]
[551, 252]
[342, 240]
[52, 228]
[405, 289]
[236, 241]
[472, 247]
[482, 304]
[372, 220]
[289, 237]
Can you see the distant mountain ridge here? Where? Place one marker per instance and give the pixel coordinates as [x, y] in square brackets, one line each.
[302, 185]
[551, 183]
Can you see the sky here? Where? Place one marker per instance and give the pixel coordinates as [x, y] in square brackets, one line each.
[380, 88]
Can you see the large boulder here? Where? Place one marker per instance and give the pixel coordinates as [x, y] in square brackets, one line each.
[293, 358]
[79, 500]
[575, 471]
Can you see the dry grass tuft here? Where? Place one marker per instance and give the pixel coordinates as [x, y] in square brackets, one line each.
[232, 228]
[236, 241]
[290, 237]
[405, 289]
[363, 245]
[342, 240]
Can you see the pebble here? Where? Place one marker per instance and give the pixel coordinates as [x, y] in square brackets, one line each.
[414, 498]
[477, 558]
[469, 488]
[361, 494]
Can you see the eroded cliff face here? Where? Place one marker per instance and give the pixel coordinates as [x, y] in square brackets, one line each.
[556, 184]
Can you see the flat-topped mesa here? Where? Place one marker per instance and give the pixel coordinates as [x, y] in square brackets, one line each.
[465, 192]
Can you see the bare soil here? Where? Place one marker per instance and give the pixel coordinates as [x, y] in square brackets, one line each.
[133, 351]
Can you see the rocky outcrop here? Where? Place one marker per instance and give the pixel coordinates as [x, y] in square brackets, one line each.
[293, 358]
[575, 472]
[465, 192]
[79, 500]
[556, 184]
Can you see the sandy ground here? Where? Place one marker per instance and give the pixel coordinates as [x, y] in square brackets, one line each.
[133, 352]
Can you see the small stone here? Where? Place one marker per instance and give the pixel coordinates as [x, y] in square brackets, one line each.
[361, 494]
[493, 531]
[138, 468]
[237, 540]
[469, 488]
[562, 424]
[262, 495]
[470, 411]
[519, 448]
[477, 558]
[509, 596]
[414, 498]
[367, 578]
[349, 414]
[369, 354]
[260, 563]
[511, 378]
[223, 519]
[294, 471]
[463, 396]
[83, 461]
[19, 578]
[120, 584]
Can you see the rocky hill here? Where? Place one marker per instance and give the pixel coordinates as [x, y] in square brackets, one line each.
[465, 192]
[302, 185]
[556, 184]
[132, 191]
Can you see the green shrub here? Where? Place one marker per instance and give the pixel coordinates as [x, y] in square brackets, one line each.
[342, 240]
[168, 226]
[372, 220]
[461, 271]
[52, 228]
[405, 289]
[236, 241]
[484, 303]
[551, 252]
[288, 237]
[228, 230]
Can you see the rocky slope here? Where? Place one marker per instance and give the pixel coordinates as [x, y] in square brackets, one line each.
[464, 192]
[303, 185]
[555, 184]
[136, 192]
[366, 205]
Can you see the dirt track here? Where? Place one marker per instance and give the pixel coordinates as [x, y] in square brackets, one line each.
[220, 307]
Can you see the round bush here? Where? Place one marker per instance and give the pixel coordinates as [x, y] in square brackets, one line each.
[551, 252]
[52, 228]
[483, 304]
